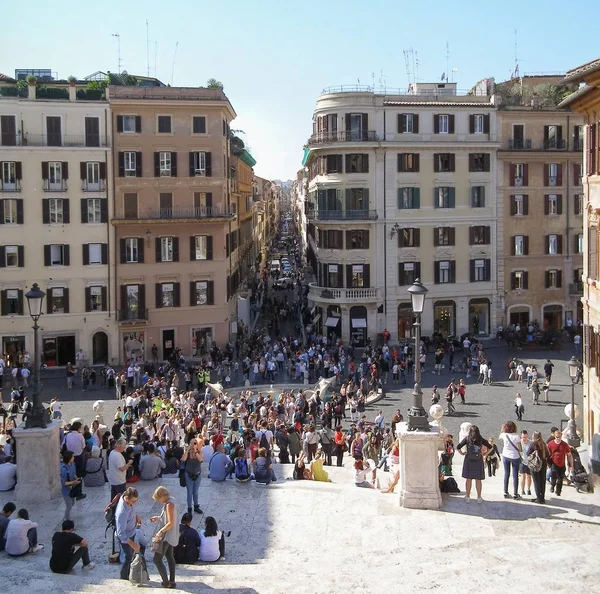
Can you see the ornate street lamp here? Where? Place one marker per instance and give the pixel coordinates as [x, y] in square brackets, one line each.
[572, 437]
[417, 416]
[37, 416]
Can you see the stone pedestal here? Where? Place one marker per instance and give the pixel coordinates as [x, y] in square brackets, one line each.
[38, 463]
[419, 476]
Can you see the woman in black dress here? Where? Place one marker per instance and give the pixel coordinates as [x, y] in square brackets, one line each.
[473, 469]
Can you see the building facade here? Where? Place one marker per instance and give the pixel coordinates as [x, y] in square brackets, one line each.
[176, 227]
[403, 187]
[586, 101]
[55, 207]
[540, 206]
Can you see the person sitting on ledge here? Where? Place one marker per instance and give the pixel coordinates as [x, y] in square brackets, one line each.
[21, 535]
[64, 556]
[220, 465]
[212, 542]
[188, 549]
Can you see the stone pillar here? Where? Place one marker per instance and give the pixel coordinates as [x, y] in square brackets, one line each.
[31, 91]
[419, 476]
[38, 463]
[72, 92]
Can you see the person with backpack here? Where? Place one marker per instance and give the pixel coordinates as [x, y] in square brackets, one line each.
[126, 521]
[242, 470]
[187, 550]
[265, 437]
[473, 468]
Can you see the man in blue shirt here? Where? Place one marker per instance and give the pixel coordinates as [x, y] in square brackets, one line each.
[126, 521]
[220, 465]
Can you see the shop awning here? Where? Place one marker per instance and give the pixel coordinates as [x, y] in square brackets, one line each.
[332, 322]
[358, 322]
[316, 318]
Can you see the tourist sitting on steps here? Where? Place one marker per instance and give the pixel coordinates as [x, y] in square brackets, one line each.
[64, 556]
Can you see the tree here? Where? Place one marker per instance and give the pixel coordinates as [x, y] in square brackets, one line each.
[213, 83]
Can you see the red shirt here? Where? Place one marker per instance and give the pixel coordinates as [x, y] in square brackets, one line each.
[558, 451]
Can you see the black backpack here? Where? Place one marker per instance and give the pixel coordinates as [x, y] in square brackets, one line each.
[264, 442]
[110, 511]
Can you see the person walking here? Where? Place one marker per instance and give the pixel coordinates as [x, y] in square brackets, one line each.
[524, 465]
[519, 407]
[473, 469]
[560, 453]
[167, 535]
[535, 391]
[192, 458]
[117, 468]
[537, 444]
[511, 457]
[69, 482]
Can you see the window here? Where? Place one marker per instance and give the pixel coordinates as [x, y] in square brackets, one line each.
[578, 243]
[357, 239]
[332, 163]
[444, 124]
[58, 302]
[57, 255]
[409, 198]
[8, 130]
[478, 197]
[167, 294]
[166, 249]
[130, 207]
[519, 245]
[577, 174]
[408, 272]
[199, 125]
[408, 162]
[9, 175]
[11, 256]
[129, 124]
[478, 120]
[131, 250]
[443, 236]
[92, 176]
[130, 164]
[95, 301]
[56, 210]
[518, 178]
[443, 162]
[553, 279]
[357, 279]
[552, 207]
[553, 169]
[444, 197]
[357, 199]
[519, 280]
[95, 253]
[479, 162]
[53, 131]
[552, 247]
[479, 235]
[480, 271]
[332, 239]
[200, 247]
[199, 164]
[55, 177]
[165, 164]
[445, 272]
[519, 205]
[408, 123]
[10, 214]
[578, 204]
[164, 124]
[357, 163]
[553, 137]
[165, 201]
[409, 237]
[94, 210]
[201, 293]
[13, 303]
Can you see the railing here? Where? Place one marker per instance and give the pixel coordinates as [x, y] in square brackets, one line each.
[204, 212]
[343, 136]
[60, 186]
[99, 186]
[553, 180]
[67, 140]
[128, 315]
[14, 186]
[344, 295]
[519, 144]
[383, 90]
[8, 139]
[578, 144]
[576, 288]
[342, 215]
[555, 144]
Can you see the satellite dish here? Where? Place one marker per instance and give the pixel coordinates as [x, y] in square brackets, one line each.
[124, 72]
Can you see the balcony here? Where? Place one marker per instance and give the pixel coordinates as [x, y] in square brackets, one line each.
[576, 289]
[555, 144]
[65, 140]
[342, 215]
[99, 186]
[10, 186]
[128, 315]
[325, 294]
[55, 186]
[343, 136]
[182, 214]
[519, 144]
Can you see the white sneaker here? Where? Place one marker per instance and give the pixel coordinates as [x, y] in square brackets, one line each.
[36, 548]
[479, 500]
[89, 566]
[467, 499]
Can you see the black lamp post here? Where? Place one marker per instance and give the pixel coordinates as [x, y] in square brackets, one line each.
[37, 416]
[417, 416]
[572, 437]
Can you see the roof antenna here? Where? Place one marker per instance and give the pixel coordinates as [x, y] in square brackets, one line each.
[516, 70]
[118, 51]
[147, 50]
[173, 66]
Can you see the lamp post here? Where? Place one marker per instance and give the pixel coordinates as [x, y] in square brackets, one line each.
[417, 416]
[37, 415]
[572, 437]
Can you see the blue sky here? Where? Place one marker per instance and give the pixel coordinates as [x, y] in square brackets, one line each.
[275, 57]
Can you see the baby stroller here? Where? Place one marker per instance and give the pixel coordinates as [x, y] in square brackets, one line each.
[579, 477]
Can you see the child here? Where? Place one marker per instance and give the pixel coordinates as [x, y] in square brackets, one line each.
[546, 388]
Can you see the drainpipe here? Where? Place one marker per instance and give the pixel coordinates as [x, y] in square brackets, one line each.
[384, 222]
[568, 217]
[109, 153]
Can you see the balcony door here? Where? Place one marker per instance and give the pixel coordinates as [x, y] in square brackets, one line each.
[356, 127]
[8, 131]
[518, 136]
[54, 130]
[92, 131]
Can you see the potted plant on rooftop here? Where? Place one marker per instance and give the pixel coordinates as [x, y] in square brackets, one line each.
[31, 80]
[72, 80]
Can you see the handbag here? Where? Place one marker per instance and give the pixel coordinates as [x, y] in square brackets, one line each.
[74, 490]
[158, 546]
[182, 477]
[534, 461]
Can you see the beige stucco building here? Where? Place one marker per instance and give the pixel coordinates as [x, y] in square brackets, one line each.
[403, 186]
[540, 213]
[586, 101]
[54, 224]
[175, 218]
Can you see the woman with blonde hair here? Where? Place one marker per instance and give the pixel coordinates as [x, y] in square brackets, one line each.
[167, 536]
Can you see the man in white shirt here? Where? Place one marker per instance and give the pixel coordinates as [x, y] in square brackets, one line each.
[207, 450]
[56, 408]
[21, 535]
[80, 359]
[8, 475]
[117, 469]
[576, 342]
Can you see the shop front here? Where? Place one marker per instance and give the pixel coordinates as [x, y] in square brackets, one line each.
[358, 326]
[553, 317]
[444, 318]
[519, 315]
[405, 321]
[333, 323]
[202, 339]
[12, 348]
[57, 351]
[479, 317]
[134, 344]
